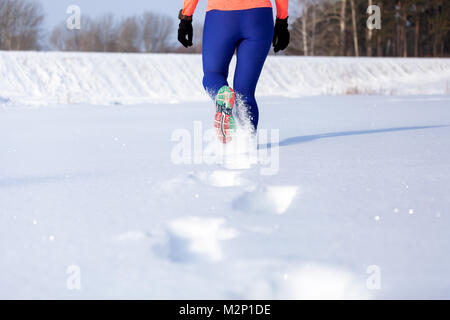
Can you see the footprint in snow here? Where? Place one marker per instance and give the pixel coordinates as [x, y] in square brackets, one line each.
[266, 199]
[219, 178]
[195, 239]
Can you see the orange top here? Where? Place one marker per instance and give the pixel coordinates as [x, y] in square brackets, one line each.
[227, 5]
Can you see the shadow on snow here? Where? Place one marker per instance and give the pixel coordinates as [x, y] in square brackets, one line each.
[302, 139]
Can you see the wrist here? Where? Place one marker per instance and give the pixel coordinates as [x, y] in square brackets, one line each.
[282, 22]
[183, 17]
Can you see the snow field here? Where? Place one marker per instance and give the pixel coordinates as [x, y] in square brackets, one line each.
[357, 206]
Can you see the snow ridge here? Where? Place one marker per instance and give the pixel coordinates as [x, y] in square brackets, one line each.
[49, 78]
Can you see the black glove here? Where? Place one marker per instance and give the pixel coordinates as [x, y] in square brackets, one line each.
[281, 35]
[185, 30]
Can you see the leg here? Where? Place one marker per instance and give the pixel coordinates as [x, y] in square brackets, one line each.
[220, 35]
[251, 54]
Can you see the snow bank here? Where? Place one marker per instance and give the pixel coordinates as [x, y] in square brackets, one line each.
[42, 78]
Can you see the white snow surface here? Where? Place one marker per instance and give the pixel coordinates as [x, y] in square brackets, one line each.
[359, 207]
[42, 78]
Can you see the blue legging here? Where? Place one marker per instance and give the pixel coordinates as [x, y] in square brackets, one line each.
[249, 33]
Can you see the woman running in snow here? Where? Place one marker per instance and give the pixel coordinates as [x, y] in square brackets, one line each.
[244, 26]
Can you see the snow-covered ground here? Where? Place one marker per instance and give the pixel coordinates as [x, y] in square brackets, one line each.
[40, 78]
[358, 208]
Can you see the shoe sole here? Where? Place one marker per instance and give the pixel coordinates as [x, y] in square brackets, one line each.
[223, 120]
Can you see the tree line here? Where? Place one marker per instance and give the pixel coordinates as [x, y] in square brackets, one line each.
[22, 28]
[409, 28]
[149, 32]
[146, 33]
[20, 25]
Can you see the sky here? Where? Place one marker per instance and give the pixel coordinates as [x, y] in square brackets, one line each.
[55, 10]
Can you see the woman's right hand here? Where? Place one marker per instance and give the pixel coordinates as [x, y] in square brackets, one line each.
[185, 30]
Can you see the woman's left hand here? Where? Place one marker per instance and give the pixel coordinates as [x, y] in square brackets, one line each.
[281, 35]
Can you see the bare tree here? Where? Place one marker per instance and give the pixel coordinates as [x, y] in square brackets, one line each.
[156, 32]
[85, 39]
[107, 30]
[342, 25]
[403, 18]
[305, 29]
[300, 29]
[147, 33]
[129, 39]
[20, 24]
[355, 30]
[65, 40]
[369, 36]
[313, 32]
[339, 27]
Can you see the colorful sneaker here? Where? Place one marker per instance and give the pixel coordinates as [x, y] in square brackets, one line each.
[224, 120]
